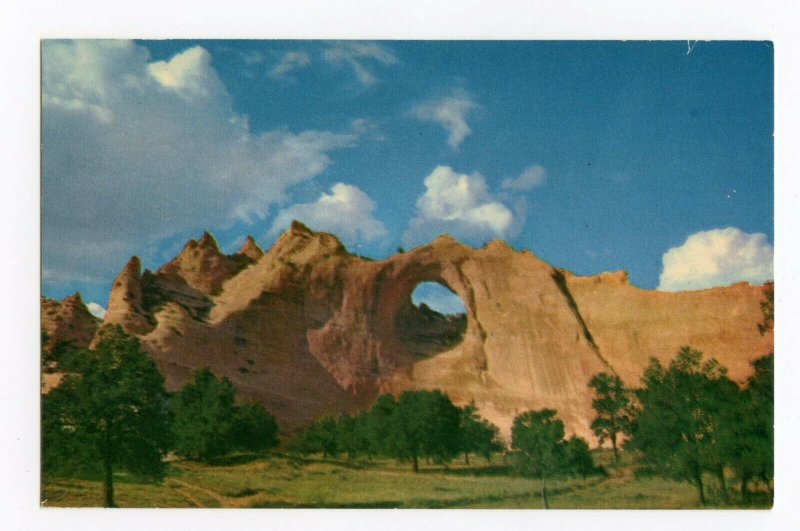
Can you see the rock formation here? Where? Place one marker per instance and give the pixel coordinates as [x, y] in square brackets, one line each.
[68, 322]
[309, 329]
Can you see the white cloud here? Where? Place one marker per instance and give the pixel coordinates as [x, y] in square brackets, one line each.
[528, 180]
[96, 310]
[188, 73]
[346, 212]
[356, 53]
[289, 62]
[717, 257]
[135, 151]
[460, 205]
[451, 113]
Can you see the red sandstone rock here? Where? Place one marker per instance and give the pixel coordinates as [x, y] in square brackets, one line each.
[309, 329]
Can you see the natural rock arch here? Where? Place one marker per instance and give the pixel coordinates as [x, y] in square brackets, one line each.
[309, 329]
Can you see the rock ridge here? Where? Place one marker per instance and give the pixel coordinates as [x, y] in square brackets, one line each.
[307, 328]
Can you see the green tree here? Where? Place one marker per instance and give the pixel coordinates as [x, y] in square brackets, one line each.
[751, 434]
[377, 427]
[578, 458]
[612, 402]
[253, 429]
[537, 437]
[680, 427]
[352, 435]
[424, 424]
[321, 437]
[203, 413]
[108, 413]
[478, 435]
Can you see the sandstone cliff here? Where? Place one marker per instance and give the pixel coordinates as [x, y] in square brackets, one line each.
[308, 329]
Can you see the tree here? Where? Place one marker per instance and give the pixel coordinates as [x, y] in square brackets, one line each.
[680, 427]
[253, 429]
[109, 412]
[578, 458]
[612, 402]
[352, 435]
[478, 435]
[320, 437]
[750, 441]
[378, 426]
[203, 416]
[424, 424]
[537, 437]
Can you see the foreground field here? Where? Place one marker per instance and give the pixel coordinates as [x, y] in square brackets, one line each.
[283, 481]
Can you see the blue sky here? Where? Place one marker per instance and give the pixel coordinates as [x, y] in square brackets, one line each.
[595, 156]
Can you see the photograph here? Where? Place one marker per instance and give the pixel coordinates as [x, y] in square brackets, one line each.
[407, 274]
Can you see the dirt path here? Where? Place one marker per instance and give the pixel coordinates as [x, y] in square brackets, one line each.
[221, 500]
[194, 501]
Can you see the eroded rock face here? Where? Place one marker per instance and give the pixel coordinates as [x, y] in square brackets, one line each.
[68, 322]
[309, 329]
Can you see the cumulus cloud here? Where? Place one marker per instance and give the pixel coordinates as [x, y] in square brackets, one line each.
[96, 310]
[188, 73]
[717, 257]
[289, 62]
[135, 151]
[460, 205]
[451, 113]
[528, 180]
[346, 212]
[356, 53]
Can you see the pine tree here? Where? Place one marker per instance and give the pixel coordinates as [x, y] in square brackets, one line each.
[108, 413]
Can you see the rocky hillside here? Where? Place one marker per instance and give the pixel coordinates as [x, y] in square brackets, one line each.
[307, 328]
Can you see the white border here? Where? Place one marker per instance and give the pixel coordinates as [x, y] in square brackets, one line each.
[22, 24]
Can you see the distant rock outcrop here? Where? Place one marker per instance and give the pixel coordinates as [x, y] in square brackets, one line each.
[126, 302]
[308, 328]
[68, 322]
[250, 249]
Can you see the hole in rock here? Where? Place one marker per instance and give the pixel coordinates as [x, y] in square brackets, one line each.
[433, 321]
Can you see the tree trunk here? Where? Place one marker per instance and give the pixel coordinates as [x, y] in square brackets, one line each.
[108, 483]
[765, 478]
[743, 489]
[108, 470]
[722, 484]
[698, 478]
[416, 463]
[614, 446]
[466, 458]
[544, 493]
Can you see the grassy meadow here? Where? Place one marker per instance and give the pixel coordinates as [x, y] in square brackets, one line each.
[281, 480]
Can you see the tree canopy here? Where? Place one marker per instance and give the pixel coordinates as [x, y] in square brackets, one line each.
[478, 435]
[612, 402]
[684, 411]
[418, 424]
[537, 437]
[109, 412]
[207, 423]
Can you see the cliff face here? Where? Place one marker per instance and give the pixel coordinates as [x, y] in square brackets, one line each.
[307, 328]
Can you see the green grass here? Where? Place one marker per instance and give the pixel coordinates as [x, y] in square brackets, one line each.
[286, 481]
